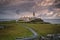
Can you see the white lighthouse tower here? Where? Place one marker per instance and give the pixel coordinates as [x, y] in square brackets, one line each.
[33, 14]
[34, 9]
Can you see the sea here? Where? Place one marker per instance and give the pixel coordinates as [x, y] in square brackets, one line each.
[7, 19]
[52, 21]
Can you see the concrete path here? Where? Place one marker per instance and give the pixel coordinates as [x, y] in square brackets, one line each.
[34, 36]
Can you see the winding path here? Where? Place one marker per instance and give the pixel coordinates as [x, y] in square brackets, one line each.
[34, 36]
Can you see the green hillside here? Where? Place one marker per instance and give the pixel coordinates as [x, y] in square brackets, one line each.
[44, 29]
[38, 20]
[13, 30]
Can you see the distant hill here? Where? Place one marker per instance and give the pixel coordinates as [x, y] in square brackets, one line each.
[38, 20]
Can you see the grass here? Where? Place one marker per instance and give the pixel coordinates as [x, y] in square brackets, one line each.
[13, 30]
[44, 29]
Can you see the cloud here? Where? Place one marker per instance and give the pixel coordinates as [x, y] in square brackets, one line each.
[9, 8]
[17, 5]
[43, 8]
[57, 4]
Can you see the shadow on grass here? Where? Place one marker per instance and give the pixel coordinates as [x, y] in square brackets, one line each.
[56, 28]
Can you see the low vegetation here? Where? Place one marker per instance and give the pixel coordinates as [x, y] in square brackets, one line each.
[13, 29]
[44, 29]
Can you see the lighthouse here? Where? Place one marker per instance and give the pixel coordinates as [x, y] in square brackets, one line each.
[33, 14]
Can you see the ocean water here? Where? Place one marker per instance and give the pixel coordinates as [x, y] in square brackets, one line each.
[53, 21]
[6, 19]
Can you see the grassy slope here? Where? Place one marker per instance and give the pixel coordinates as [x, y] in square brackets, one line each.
[12, 31]
[43, 29]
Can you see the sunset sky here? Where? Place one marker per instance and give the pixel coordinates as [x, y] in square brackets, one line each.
[13, 9]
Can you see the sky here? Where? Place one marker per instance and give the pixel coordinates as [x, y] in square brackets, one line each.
[45, 9]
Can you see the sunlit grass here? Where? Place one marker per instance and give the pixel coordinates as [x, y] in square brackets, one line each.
[13, 30]
[44, 29]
